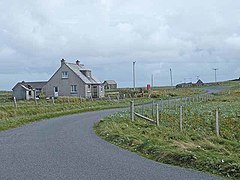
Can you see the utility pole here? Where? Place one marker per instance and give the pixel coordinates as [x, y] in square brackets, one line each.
[152, 80]
[134, 76]
[215, 69]
[171, 77]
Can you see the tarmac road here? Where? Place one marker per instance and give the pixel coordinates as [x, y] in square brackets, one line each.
[67, 148]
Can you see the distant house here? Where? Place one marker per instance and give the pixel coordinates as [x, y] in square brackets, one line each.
[199, 83]
[184, 85]
[27, 90]
[74, 79]
[110, 84]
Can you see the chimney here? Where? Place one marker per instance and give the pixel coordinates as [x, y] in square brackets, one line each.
[78, 62]
[63, 62]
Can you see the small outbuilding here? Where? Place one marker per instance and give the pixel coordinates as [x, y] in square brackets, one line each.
[110, 84]
[199, 83]
[27, 90]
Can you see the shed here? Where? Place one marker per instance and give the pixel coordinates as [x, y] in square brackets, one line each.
[27, 90]
[110, 84]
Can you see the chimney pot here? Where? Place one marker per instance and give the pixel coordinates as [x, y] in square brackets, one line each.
[63, 62]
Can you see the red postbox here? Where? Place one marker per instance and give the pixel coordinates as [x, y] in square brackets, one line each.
[148, 87]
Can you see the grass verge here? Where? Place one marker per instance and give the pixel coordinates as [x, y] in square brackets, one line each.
[196, 147]
[28, 111]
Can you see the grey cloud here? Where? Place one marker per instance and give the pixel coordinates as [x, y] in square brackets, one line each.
[158, 34]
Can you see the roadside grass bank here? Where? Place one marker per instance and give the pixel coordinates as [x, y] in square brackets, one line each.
[196, 147]
[30, 111]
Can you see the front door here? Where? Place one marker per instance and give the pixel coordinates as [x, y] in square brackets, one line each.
[55, 91]
[95, 92]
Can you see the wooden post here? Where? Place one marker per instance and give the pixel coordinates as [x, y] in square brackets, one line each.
[161, 109]
[53, 100]
[175, 105]
[15, 102]
[36, 103]
[180, 123]
[217, 123]
[132, 110]
[35, 97]
[168, 103]
[152, 109]
[157, 116]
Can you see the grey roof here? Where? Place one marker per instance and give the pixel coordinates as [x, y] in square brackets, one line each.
[110, 82]
[77, 70]
[199, 82]
[33, 85]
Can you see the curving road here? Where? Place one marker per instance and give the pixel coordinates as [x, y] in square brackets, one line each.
[67, 148]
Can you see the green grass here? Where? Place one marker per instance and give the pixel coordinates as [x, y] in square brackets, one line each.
[196, 146]
[28, 111]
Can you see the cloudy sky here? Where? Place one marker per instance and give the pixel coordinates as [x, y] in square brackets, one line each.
[189, 36]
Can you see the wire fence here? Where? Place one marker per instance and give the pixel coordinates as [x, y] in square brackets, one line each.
[196, 113]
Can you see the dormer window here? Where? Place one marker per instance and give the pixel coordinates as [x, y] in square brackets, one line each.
[64, 75]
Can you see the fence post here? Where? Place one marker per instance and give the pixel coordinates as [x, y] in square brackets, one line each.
[217, 123]
[161, 109]
[157, 116]
[132, 110]
[15, 102]
[53, 100]
[168, 103]
[152, 108]
[175, 105]
[35, 100]
[180, 118]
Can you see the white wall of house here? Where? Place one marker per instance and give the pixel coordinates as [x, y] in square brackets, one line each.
[65, 84]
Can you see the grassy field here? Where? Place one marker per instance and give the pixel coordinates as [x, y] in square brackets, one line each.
[28, 111]
[197, 146]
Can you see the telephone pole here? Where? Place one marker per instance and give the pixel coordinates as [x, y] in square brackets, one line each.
[215, 69]
[171, 77]
[134, 76]
[152, 80]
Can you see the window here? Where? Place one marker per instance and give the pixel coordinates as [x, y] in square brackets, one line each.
[73, 88]
[89, 88]
[64, 75]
